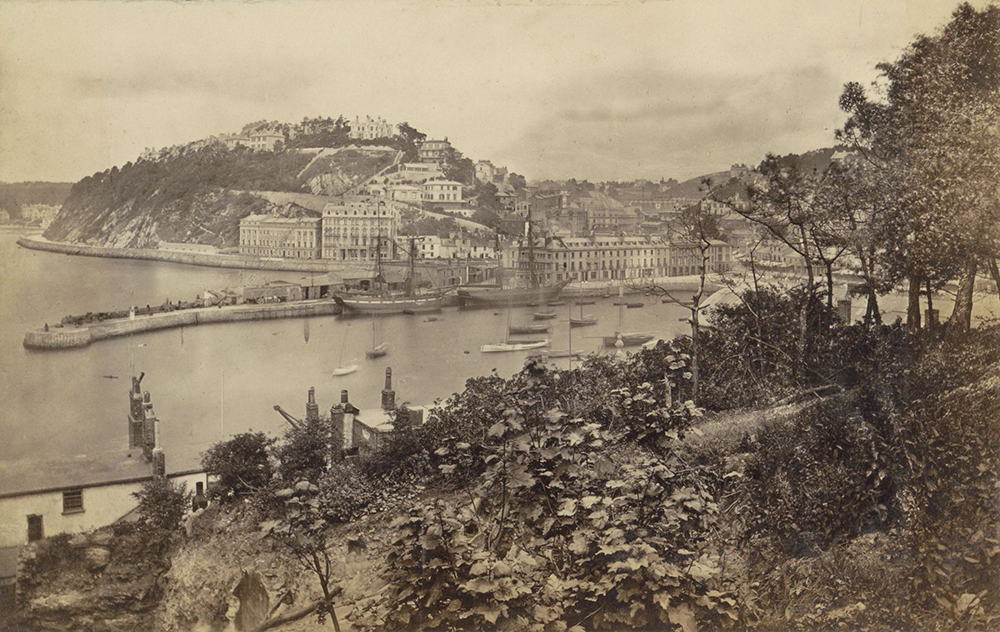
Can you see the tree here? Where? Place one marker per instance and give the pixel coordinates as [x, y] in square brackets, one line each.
[693, 231]
[517, 181]
[783, 206]
[240, 465]
[934, 142]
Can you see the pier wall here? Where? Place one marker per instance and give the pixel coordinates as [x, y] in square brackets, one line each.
[189, 258]
[68, 338]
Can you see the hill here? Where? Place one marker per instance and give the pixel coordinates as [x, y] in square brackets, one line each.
[15, 194]
[199, 193]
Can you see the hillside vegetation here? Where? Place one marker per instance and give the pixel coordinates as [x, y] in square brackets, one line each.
[199, 194]
[15, 194]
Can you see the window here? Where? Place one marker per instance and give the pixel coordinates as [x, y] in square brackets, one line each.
[35, 531]
[73, 501]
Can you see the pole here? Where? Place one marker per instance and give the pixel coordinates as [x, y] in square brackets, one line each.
[570, 324]
[222, 408]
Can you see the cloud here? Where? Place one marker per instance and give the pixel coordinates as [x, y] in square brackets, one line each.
[151, 76]
[654, 123]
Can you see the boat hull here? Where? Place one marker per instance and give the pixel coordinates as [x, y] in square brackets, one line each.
[389, 305]
[628, 340]
[497, 297]
[582, 322]
[529, 329]
[518, 346]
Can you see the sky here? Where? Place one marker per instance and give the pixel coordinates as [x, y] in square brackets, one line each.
[594, 90]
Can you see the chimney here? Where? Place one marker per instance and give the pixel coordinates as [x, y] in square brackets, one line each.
[388, 395]
[312, 410]
[159, 458]
[348, 421]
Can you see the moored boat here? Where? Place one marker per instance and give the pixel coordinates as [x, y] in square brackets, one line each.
[513, 346]
[344, 370]
[582, 322]
[528, 329]
[632, 339]
[544, 315]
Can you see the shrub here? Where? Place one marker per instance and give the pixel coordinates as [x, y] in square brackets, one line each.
[162, 504]
[240, 465]
[304, 452]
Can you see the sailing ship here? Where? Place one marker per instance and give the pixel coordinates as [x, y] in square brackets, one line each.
[627, 339]
[383, 301]
[507, 292]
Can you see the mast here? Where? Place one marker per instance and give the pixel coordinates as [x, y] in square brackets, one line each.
[378, 245]
[531, 252]
[409, 281]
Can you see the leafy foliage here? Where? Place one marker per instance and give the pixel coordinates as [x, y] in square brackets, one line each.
[239, 465]
[162, 504]
[578, 521]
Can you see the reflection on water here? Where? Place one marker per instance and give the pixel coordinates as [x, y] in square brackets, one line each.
[212, 381]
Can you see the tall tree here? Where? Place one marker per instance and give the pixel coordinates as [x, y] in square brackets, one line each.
[933, 139]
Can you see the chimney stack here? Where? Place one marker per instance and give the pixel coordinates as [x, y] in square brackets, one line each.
[343, 397]
[348, 421]
[388, 395]
[312, 409]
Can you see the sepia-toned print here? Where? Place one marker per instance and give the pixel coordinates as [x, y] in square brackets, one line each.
[529, 316]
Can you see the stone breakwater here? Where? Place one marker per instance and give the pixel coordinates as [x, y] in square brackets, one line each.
[189, 258]
[73, 337]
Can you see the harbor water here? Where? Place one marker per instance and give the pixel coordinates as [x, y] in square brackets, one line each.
[210, 382]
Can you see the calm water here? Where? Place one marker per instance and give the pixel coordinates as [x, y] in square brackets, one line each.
[213, 381]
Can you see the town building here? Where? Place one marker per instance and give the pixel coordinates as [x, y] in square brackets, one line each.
[686, 258]
[357, 227]
[485, 171]
[407, 193]
[444, 194]
[370, 129]
[433, 150]
[259, 140]
[264, 140]
[41, 214]
[454, 247]
[598, 258]
[285, 237]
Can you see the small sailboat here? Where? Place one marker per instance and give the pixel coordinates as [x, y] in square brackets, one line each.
[582, 321]
[556, 302]
[628, 339]
[378, 350]
[344, 369]
[544, 315]
[635, 304]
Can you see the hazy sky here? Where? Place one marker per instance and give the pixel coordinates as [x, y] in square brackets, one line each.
[589, 90]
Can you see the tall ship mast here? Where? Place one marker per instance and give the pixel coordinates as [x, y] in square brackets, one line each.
[505, 291]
